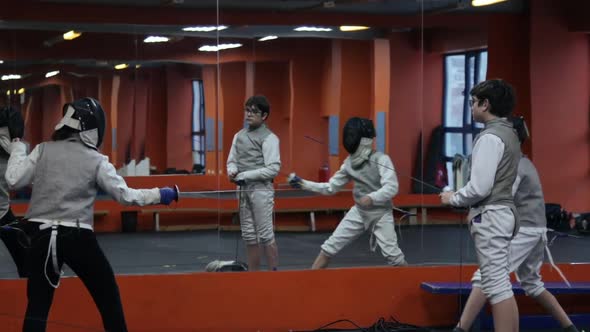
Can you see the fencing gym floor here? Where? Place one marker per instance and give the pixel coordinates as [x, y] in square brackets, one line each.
[182, 252]
[185, 252]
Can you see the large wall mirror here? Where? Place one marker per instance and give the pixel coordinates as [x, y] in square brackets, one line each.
[174, 93]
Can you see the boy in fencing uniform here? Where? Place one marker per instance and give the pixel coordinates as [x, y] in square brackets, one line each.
[253, 162]
[66, 174]
[528, 246]
[375, 184]
[492, 217]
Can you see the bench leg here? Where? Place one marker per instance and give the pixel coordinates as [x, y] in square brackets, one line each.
[413, 218]
[156, 221]
[424, 212]
[312, 221]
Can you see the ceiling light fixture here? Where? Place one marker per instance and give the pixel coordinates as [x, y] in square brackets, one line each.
[205, 28]
[51, 73]
[10, 77]
[213, 48]
[156, 39]
[268, 38]
[479, 3]
[71, 35]
[349, 28]
[312, 29]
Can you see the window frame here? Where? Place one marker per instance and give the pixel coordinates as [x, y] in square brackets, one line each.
[469, 129]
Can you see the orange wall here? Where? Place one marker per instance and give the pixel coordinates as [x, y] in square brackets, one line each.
[307, 119]
[105, 86]
[286, 300]
[232, 98]
[155, 144]
[140, 96]
[509, 39]
[271, 79]
[356, 93]
[210, 91]
[406, 115]
[560, 107]
[125, 115]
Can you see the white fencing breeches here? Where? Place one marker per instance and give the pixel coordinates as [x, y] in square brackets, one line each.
[256, 213]
[356, 222]
[492, 232]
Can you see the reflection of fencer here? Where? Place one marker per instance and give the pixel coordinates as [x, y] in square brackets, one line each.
[253, 162]
[11, 125]
[528, 246]
[493, 218]
[66, 174]
[375, 184]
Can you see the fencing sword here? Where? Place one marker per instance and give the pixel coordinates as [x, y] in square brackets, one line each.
[407, 176]
[209, 193]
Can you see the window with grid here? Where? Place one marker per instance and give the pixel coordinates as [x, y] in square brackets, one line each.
[462, 71]
[198, 128]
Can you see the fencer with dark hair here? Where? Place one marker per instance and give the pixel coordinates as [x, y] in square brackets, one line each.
[253, 162]
[375, 184]
[527, 248]
[66, 174]
[493, 220]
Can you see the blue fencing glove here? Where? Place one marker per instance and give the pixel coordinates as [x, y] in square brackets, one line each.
[167, 195]
[294, 181]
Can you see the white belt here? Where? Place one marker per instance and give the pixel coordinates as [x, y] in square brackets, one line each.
[52, 249]
[550, 257]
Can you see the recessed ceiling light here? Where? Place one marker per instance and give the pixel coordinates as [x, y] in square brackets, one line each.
[71, 35]
[268, 38]
[213, 48]
[479, 3]
[312, 29]
[51, 73]
[349, 28]
[156, 39]
[205, 28]
[10, 77]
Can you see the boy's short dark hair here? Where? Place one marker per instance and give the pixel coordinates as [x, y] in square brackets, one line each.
[500, 95]
[260, 102]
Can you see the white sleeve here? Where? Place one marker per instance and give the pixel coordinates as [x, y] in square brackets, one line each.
[487, 153]
[516, 184]
[272, 162]
[389, 183]
[232, 166]
[334, 185]
[108, 179]
[21, 168]
[5, 139]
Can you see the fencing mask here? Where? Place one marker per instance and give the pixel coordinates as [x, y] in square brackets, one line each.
[87, 116]
[354, 130]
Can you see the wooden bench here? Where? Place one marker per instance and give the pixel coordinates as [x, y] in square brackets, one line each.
[156, 217]
[485, 321]
[97, 213]
[412, 217]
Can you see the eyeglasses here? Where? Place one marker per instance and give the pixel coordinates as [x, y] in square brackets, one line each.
[252, 110]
